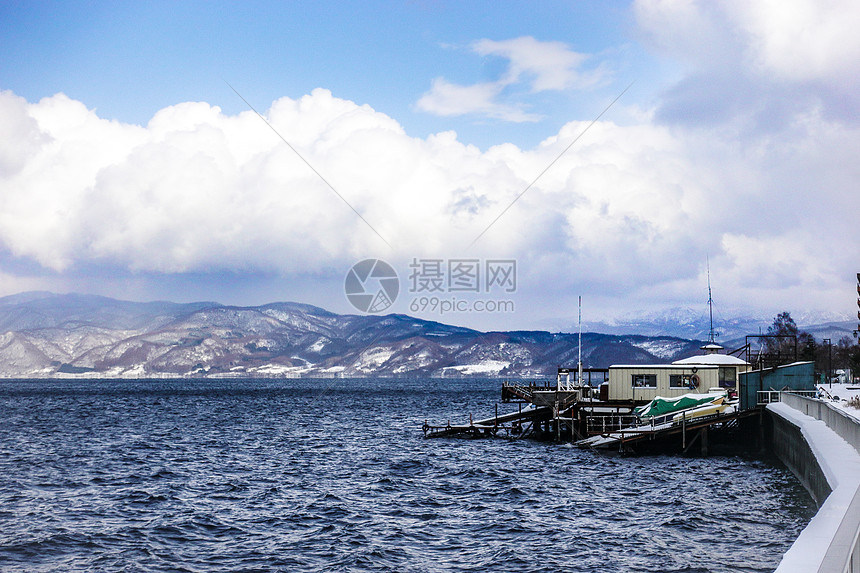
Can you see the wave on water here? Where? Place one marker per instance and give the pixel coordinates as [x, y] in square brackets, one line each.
[322, 475]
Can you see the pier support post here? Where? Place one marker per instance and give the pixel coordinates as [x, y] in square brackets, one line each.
[704, 441]
[684, 431]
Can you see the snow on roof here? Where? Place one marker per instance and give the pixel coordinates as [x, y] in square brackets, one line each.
[718, 359]
[674, 365]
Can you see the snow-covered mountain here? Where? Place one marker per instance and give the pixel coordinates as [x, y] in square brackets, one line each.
[685, 322]
[46, 335]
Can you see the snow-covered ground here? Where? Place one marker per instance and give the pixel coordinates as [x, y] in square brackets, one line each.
[664, 349]
[842, 396]
[483, 368]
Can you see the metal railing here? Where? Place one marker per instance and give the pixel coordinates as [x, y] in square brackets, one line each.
[525, 391]
[764, 397]
[843, 552]
[627, 423]
[610, 423]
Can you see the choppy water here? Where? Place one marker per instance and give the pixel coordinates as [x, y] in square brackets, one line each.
[321, 475]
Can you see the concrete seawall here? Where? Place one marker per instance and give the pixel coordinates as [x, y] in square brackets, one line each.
[820, 444]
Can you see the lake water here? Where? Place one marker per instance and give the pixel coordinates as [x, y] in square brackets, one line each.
[335, 475]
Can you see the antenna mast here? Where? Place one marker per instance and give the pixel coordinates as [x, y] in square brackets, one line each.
[710, 305]
[579, 372]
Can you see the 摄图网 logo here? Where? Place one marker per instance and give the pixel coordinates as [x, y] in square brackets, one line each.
[371, 285]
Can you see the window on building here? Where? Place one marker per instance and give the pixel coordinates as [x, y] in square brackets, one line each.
[728, 376]
[680, 380]
[644, 380]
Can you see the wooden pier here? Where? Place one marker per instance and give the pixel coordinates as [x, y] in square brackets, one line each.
[691, 432]
[575, 415]
[513, 425]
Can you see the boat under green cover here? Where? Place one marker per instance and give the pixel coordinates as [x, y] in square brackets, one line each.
[660, 406]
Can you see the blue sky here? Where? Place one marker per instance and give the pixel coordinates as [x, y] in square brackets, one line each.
[129, 60]
[128, 167]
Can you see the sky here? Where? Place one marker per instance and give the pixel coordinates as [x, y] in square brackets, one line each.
[504, 159]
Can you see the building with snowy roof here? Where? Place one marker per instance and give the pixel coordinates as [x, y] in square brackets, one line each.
[696, 374]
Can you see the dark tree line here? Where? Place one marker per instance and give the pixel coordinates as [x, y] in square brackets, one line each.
[844, 353]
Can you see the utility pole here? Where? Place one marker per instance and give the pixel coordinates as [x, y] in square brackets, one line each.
[579, 371]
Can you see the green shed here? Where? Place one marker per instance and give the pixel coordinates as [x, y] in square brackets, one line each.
[796, 376]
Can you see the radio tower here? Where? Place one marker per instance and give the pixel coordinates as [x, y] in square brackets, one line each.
[579, 368]
[710, 305]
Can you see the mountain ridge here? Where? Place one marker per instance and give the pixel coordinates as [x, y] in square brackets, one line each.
[686, 322]
[44, 335]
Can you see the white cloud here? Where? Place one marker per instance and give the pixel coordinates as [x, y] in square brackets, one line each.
[801, 40]
[447, 99]
[539, 66]
[768, 105]
[757, 64]
[548, 65]
[629, 214]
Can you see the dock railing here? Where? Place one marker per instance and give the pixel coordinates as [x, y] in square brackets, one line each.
[612, 424]
[524, 392]
[764, 397]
